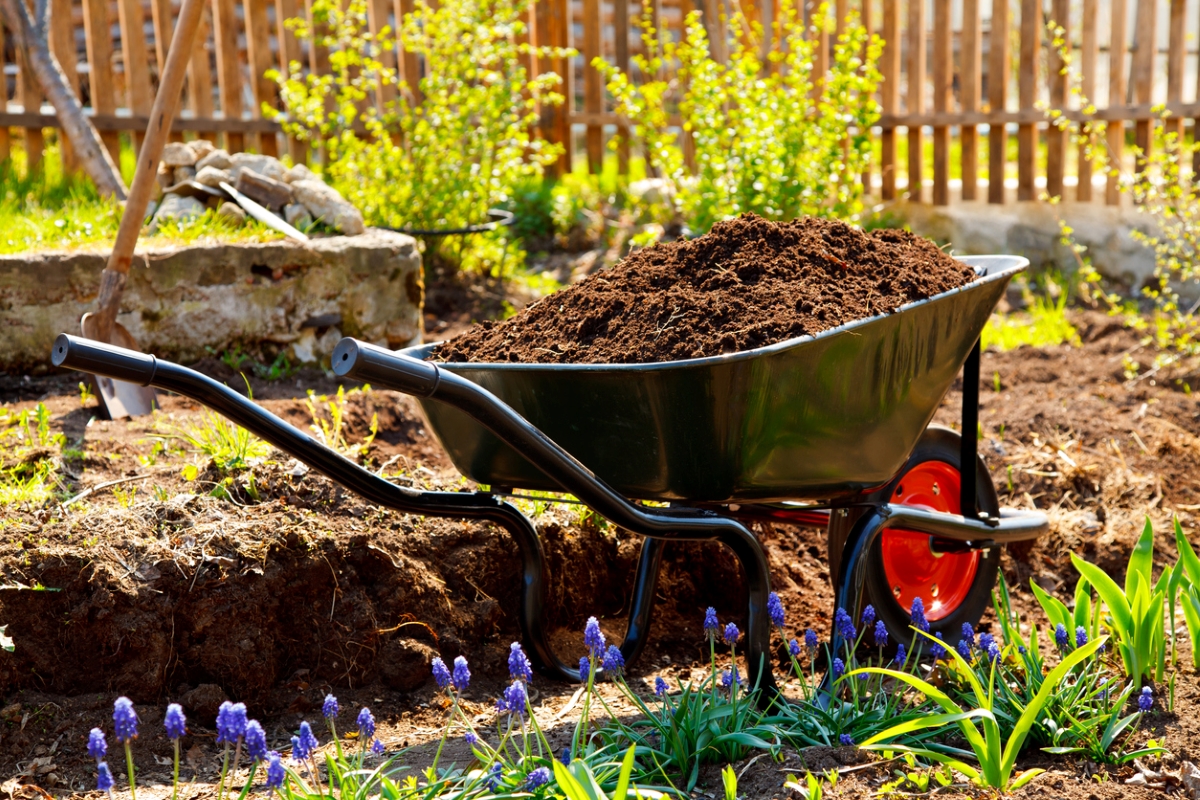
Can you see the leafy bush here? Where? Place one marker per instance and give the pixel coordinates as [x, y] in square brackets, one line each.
[441, 162]
[769, 137]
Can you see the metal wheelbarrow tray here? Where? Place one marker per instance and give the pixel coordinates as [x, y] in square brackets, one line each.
[828, 430]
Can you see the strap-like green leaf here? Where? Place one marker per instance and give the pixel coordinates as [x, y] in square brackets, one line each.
[623, 778]
[1141, 560]
[1049, 686]
[1083, 604]
[928, 721]
[1191, 563]
[1055, 610]
[1109, 592]
[1024, 778]
[568, 784]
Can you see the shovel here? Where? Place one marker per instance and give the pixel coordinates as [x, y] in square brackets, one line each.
[120, 398]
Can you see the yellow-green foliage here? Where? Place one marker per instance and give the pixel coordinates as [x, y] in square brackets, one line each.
[1045, 324]
[229, 446]
[772, 137]
[444, 161]
[27, 459]
[329, 419]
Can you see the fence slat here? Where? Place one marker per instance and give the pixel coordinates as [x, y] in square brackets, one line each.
[1142, 71]
[865, 19]
[593, 89]
[30, 96]
[62, 42]
[916, 95]
[229, 75]
[98, 37]
[1089, 46]
[133, 52]
[943, 77]
[716, 31]
[288, 48]
[889, 61]
[1056, 138]
[5, 145]
[410, 68]
[999, 63]
[969, 81]
[1027, 133]
[258, 56]
[1115, 132]
[621, 56]
[161, 17]
[1176, 53]
[199, 82]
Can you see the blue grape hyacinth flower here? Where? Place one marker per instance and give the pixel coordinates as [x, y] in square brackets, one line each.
[440, 673]
[97, 746]
[731, 634]
[593, 638]
[938, 650]
[846, 740]
[175, 722]
[585, 667]
[711, 626]
[125, 720]
[1060, 636]
[1146, 699]
[519, 667]
[614, 662]
[993, 651]
[810, 640]
[275, 771]
[881, 634]
[964, 648]
[775, 609]
[730, 678]
[256, 741]
[901, 654]
[104, 778]
[660, 687]
[471, 739]
[1081, 637]
[366, 724]
[330, 709]
[868, 617]
[461, 677]
[515, 698]
[844, 625]
[377, 747]
[794, 648]
[968, 634]
[298, 751]
[919, 620]
[985, 641]
[538, 778]
[839, 668]
[308, 740]
[231, 722]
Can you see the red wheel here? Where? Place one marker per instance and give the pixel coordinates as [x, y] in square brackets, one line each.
[912, 566]
[902, 565]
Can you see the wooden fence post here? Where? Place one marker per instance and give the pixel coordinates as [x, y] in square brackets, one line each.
[998, 67]
[943, 77]
[621, 53]
[1056, 137]
[5, 145]
[1027, 132]
[30, 95]
[1115, 130]
[62, 42]
[890, 100]
[1176, 53]
[136, 62]
[972, 51]
[1143, 73]
[916, 96]
[593, 89]
[1087, 68]
[229, 73]
[258, 57]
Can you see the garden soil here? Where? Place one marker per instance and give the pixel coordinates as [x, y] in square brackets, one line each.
[746, 284]
[291, 587]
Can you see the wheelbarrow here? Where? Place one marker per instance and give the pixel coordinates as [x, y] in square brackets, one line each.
[831, 430]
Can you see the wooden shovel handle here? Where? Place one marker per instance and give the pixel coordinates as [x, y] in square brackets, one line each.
[170, 86]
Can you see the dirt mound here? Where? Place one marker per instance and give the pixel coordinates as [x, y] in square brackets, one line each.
[747, 284]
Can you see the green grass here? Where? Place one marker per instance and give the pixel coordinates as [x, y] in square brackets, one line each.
[48, 210]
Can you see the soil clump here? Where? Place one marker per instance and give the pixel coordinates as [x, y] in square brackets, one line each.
[746, 284]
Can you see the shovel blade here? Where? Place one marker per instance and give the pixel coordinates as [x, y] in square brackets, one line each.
[120, 399]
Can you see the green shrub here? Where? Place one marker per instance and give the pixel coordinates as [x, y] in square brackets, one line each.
[442, 162]
[769, 137]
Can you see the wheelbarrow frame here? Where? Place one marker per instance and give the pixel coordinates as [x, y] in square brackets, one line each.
[726, 524]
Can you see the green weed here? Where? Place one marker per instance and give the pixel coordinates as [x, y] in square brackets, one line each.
[229, 447]
[28, 464]
[329, 419]
[1045, 324]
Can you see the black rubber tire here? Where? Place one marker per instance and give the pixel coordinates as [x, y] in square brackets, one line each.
[936, 444]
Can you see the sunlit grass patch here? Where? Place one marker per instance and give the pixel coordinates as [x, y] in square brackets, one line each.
[1044, 324]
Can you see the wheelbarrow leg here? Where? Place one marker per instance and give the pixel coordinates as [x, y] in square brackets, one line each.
[644, 583]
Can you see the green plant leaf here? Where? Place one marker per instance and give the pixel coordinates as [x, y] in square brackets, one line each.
[626, 770]
[1055, 610]
[1109, 592]
[568, 784]
[1191, 563]
[1141, 560]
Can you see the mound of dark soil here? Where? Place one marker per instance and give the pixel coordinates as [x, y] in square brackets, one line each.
[746, 284]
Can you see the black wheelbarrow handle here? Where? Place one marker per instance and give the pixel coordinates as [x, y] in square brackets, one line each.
[416, 377]
[376, 365]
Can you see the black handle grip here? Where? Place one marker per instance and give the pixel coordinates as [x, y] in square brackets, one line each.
[106, 360]
[373, 364]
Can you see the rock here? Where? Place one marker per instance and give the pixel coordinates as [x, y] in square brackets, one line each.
[1190, 775]
[404, 664]
[151, 207]
[263, 190]
[217, 159]
[297, 216]
[326, 205]
[232, 213]
[263, 165]
[655, 191]
[176, 208]
[211, 176]
[182, 174]
[178, 154]
[165, 176]
[202, 148]
[299, 173]
[204, 701]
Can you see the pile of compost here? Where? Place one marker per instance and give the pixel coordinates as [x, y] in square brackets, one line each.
[746, 284]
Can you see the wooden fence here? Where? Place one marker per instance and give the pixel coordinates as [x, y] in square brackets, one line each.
[940, 62]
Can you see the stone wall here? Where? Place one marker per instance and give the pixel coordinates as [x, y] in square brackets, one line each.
[183, 303]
